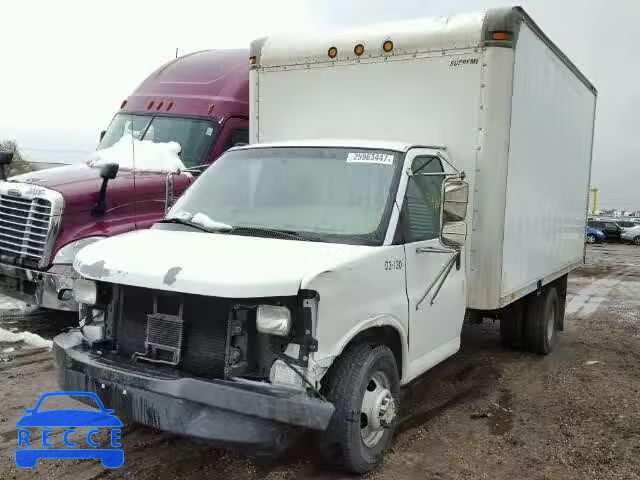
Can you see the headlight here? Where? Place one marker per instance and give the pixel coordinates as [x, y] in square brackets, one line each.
[273, 320]
[67, 253]
[85, 291]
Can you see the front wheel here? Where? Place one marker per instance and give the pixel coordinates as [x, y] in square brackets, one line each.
[364, 386]
[591, 239]
[636, 240]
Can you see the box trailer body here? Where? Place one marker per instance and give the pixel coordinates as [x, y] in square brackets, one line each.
[515, 114]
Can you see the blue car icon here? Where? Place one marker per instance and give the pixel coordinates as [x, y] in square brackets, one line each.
[28, 456]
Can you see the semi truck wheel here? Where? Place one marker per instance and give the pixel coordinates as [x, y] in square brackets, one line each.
[512, 325]
[364, 386]
[542, 320]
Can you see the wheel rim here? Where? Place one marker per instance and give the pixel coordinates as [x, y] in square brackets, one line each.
[378, 409]
[636, 240]
[591, 239]
[551, 320]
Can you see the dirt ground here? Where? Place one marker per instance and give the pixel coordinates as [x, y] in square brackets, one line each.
[486, 413]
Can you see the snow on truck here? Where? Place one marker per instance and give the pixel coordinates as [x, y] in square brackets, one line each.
[301, 281]
[183, 116]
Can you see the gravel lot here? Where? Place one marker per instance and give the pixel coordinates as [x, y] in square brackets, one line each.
[573, 414]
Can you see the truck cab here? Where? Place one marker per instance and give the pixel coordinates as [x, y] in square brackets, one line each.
[281, 279]
[198, 101]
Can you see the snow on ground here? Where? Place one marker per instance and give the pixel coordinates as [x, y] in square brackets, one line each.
[132, 153]
[9, 333]
[7, 303]
[30, 339]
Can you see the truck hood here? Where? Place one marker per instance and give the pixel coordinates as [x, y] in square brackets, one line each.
[213, 264]
[80, 184]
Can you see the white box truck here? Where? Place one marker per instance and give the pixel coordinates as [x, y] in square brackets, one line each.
[403, 176]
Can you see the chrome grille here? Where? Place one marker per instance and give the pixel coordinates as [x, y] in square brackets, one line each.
[25, 224]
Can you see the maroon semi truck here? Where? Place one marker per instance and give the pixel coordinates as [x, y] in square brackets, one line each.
[199, 101]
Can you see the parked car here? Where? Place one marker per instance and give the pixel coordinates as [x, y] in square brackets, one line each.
[631, 234]
[610, 228]
[626, 223]
[594, 235]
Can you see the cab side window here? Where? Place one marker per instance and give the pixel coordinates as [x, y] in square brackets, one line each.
[423, 199]
[239, 136]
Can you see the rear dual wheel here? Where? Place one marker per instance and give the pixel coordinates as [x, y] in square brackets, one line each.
[532, 323]
[543, 318]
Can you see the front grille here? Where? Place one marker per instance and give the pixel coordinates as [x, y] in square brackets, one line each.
[203, 344]
[25, 224]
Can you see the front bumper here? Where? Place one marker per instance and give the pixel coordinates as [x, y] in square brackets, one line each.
[51, 289]
[220, 411]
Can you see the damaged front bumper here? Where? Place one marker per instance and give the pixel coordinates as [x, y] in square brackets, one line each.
[51, 289]
[221, 411]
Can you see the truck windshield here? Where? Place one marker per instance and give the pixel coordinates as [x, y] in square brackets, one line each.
[340, 195]
[193, 135]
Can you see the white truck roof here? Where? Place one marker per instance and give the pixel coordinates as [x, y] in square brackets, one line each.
[414, 36]
[339, 143]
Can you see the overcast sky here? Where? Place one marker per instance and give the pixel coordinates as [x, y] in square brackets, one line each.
[67, 65]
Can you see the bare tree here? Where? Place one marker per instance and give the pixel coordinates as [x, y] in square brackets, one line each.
[19, 164]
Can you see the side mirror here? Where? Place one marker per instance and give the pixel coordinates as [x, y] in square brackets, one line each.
[102, 134]
[6, 158]
[109, 171]
[454, 234]
[454, 210]
[455, 201]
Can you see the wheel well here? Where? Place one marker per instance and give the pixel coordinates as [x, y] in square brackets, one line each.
[385, 335]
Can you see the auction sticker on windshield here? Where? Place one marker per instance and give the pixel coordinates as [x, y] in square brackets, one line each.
[370, 157]
[37, 438]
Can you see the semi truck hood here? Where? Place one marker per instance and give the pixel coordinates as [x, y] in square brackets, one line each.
[80, 185]
[213, 264]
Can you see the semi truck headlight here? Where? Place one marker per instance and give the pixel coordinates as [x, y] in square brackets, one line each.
[273, 320]
[67, 253]
[85, 291]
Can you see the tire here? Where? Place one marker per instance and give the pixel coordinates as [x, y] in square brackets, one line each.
[561, 285]
[512, 325]
[354, 440]
[591, 239]
[542, 321]
[636, 240]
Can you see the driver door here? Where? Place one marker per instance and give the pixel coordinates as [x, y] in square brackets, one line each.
[435, 277]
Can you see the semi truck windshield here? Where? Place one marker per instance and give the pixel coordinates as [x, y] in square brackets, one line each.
[194, 135]
[340, 195]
